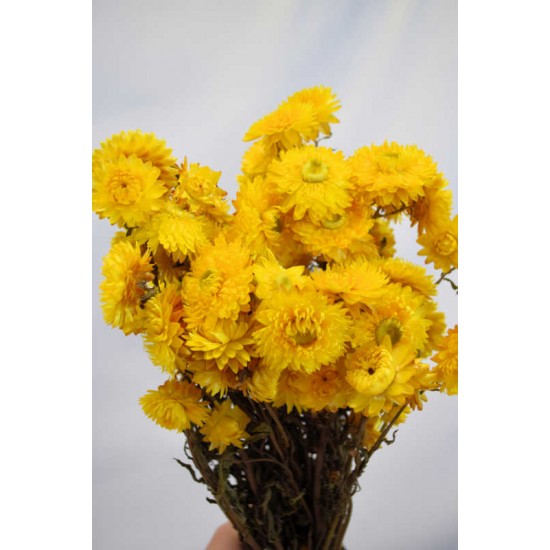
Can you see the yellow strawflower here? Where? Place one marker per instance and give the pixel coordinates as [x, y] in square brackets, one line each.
[383, 378]
[324, 103]
[225, 426]
[271, 277]
[397, 313]
[210, 378]
[446, 360]
[312, 180]
[324, 388]
[146, 147]
[434, 208]
[262, 381]
[355, 282]
[175, 405]
[179, 232]
[293, 388]
[257, 159]
[257, 218]
[164, 329]
[128, 274]
[301, 330]
[219, 284]
[440, 245]
[286, 127]
[198, 191]
[371, 370]
[408, 274]
[436, 327]
[127, 191]
[340, 238]
[393, 175]
[228, 343]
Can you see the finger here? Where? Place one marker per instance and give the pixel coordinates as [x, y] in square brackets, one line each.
[225, 538]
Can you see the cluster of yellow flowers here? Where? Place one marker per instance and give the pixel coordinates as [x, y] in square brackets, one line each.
[295, 298]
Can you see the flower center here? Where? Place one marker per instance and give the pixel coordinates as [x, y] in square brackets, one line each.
[314, 171]
[304, 338]
[125, 187]
[283, 281]
[333, 223]
[271, 219]
[446, 244]
[391, 327]
[389, 162]
[303, 329]
[210, 281]
[323, 384]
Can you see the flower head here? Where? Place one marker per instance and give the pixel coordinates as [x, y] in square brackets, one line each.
[228, 343]
[128, 275]
[198, 191]
[324, 103]
[313, 180]
[127, 191]
[175, 405]
[396, 313]
[284, 128]
[212, 379]
[256, 159]
[179, 232]
[300, 330]
[440, 245]
[371, 370]
[446, 360]
[393, 175]
[261, 384]
[383, 378]
[341, 237]
[408, 274]
[164, 329]
[225, 426]
[434, 208]
[146, 147]
[271, 277]
[219, 284]
[256, 221]
[354, 282]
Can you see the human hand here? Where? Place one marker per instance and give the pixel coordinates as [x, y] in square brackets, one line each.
[225, 538]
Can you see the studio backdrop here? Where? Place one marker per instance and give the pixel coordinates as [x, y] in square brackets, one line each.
[198, 74]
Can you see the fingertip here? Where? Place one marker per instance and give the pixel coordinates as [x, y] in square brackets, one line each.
[225, 538]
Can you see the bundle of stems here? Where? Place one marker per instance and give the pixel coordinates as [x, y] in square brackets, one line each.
[290, 486]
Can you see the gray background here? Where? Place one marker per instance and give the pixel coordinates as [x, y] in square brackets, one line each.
[198, 74]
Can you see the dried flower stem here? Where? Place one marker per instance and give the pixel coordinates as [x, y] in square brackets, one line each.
[291, 485]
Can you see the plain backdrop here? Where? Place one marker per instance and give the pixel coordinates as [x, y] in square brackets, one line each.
[198, 74]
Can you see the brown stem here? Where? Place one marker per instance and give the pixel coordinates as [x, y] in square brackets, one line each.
[444, 275]
[384, 432]
[343, 525]
[379, 214]
[222, 499]
[317, 481]
[275, 418]
[249, 472]
[285, 459]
